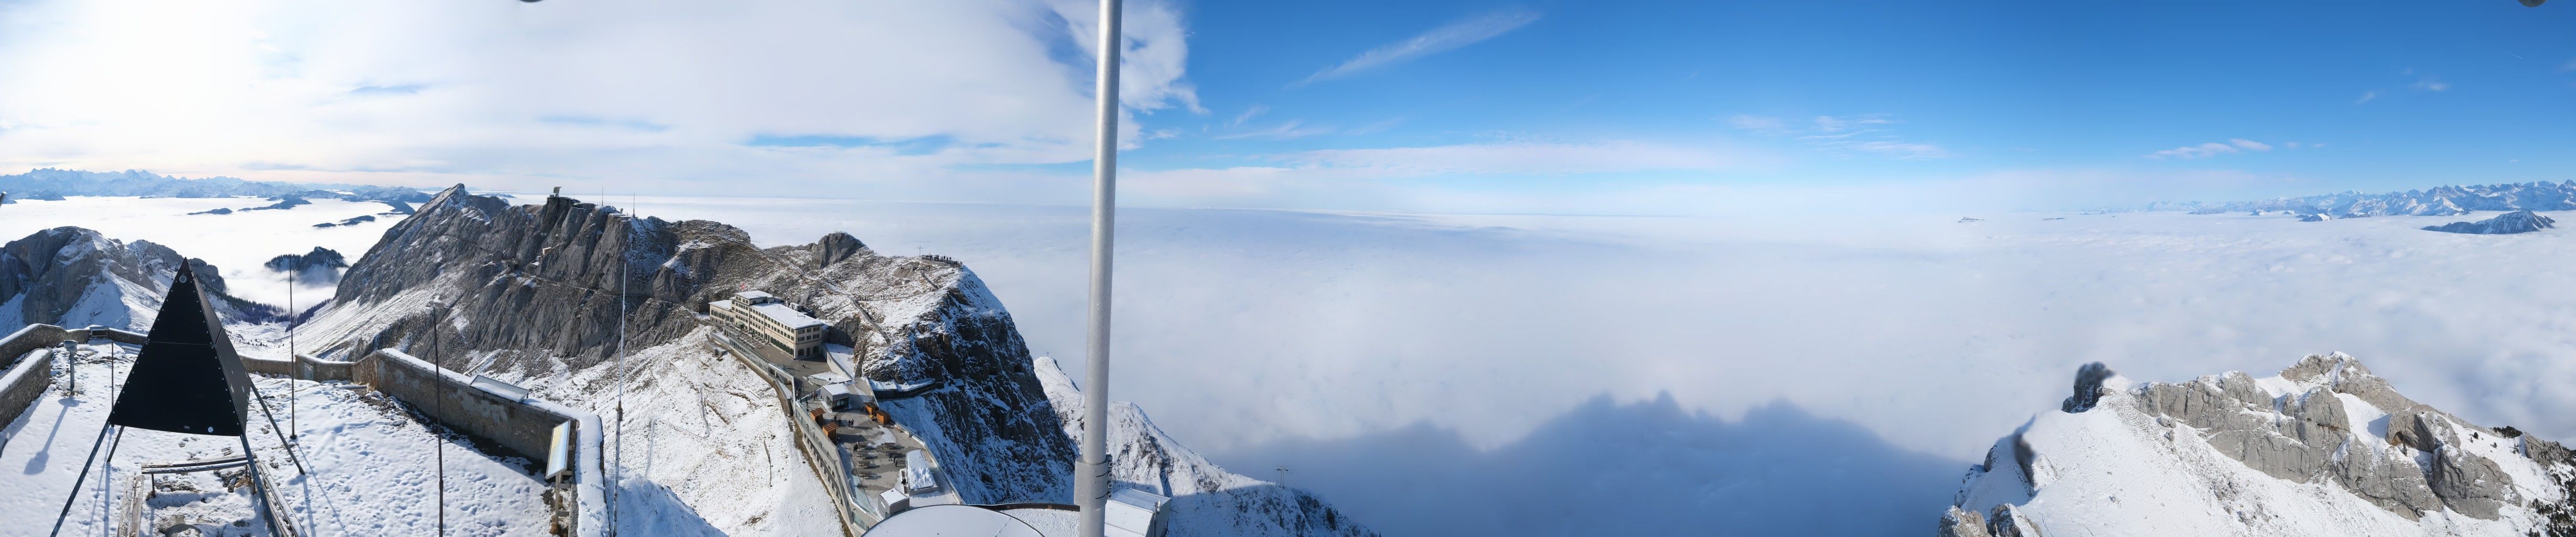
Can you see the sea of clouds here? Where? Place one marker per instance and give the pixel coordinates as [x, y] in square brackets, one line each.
[1836, 374]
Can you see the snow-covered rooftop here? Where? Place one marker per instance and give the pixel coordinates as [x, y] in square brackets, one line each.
[786, 316]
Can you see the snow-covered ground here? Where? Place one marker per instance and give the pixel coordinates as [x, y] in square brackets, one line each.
[2121, 469]
[1469, 343]
[238, 243]
[374, 469]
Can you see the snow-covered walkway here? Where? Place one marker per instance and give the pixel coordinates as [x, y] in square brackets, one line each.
[374, 469]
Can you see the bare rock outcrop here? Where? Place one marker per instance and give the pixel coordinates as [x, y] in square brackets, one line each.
[540, 291]
[1962, 523]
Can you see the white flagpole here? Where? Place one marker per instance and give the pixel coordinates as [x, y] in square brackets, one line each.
[1091, 475]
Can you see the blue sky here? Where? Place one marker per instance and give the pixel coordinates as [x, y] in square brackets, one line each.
[1581, 107]
[2400, 95]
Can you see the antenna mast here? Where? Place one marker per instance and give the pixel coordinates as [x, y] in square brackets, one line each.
[1091, 474]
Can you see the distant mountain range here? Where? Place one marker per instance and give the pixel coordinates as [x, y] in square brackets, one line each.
[54, 184]
[2437, 201]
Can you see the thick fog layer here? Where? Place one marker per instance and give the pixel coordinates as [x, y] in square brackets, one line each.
[1408, 366]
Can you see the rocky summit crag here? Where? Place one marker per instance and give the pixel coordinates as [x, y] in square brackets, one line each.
[536, 293]
[2325, 448]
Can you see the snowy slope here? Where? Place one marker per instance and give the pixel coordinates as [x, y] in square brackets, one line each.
[373, 467]
[1206, 499]
[2324, 449]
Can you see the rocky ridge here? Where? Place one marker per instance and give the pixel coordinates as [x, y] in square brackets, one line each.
[2523, 221]
[2437, 201]
[536, 293]
[2325, 448]
[53, 184]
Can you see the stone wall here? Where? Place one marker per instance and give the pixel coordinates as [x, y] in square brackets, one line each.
[25, 380]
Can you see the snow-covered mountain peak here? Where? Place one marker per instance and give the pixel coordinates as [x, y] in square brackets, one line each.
[73, 276]
[2324, 448]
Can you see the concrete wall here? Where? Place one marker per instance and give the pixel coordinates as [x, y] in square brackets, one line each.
[524, 426]
[304, 367]
[450, 398]
[26, 380]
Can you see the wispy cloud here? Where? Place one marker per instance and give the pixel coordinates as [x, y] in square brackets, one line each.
[1290, 130]
[1249, 113]
[1364, 169]
[2430, 84]
[1757, 123]
[2211, 149]
[1865, 133]
[1374, 128]
[2366, 96]
[1438, 40]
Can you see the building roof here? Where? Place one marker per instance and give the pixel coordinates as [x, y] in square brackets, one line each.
[786, 315]
[754, 296]
[939, 520]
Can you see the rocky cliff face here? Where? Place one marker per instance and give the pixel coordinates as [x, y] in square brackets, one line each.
[71, 276]
[2325, 448]
[536, 292]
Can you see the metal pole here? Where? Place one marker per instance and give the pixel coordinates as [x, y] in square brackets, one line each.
[1091, 475]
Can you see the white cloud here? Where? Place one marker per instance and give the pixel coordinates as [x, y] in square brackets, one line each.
[505, 94]
[1290, 130]
[1756, 123]
[2206, 150]
[2429, 84]
[1902, 150]
[1438, 40]
[1248, 114]
[1362, 177]
[2366, 96]
[1865, 133]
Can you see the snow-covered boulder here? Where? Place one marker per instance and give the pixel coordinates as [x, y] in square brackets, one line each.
[2326, 448]
[2523, 221]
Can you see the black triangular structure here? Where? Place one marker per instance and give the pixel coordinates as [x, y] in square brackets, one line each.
[187, 379]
